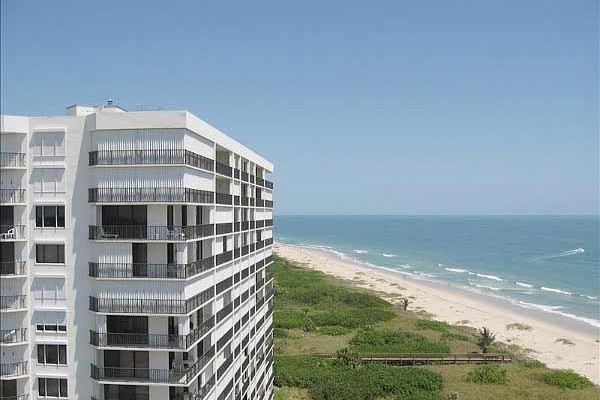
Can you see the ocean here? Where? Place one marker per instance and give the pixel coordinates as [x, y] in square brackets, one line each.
[544, 263]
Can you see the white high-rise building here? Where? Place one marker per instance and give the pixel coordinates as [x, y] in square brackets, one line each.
[134, 259]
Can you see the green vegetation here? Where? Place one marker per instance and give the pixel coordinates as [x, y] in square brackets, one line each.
[331, 380]
[565, 341]
[390, 341]
[487, 373]
[485, 339]
[349, 321]
[519, 327]
[566, 379]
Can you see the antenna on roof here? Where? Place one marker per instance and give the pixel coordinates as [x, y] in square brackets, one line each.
[109, 102]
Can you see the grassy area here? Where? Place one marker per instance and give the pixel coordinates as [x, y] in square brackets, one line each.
[315, 313]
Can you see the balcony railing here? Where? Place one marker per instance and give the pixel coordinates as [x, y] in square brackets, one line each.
[158, 271]
[14, 369]
[151, 341]
[140, 157]
[12, 159]
[223, 169]
[149, 195]
[268, 184]
[224, 312]
[260, 181]
[268, 203]
[8, 268]
[203, 392]
[12, 232]
[143, 232]
[244, 176]
[224, 257]
[150, 305]
[223, 198]
[11, 196]
[13, 302]
[224, 228]
[173, 376]
[18, 335]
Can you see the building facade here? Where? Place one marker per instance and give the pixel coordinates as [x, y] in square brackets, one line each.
[134, 263]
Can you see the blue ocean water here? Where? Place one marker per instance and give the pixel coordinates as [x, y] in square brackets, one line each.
[539, 262]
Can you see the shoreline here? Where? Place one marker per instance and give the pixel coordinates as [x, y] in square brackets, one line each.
[452, 304]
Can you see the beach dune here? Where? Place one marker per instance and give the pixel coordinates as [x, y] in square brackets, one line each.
[550, 340]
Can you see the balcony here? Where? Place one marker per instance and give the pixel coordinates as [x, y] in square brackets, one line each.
[14, 369]
[223, 169]
[224, 257]
[260, 181]
[13, 268]
[143, 232]
[149, 195]
[12, 232]
[225, 228]
[13, 302]
[12, 160]
[224, 312]
[151, 341]
[269, 184]
[150, 157]
[204, 391]
[168, 306]
[12, 196]
[223, 198]
[11, 336]
[152, 271]
[173, 376]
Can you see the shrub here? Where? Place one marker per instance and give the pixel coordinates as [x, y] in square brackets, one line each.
[309, 325]
[333, 330]
[566, 379]
[533, 364]
[347, 358]
[387, 341]
[288, 319]
[488, 373]
[519, 327]
[432, 325]
[455, 336]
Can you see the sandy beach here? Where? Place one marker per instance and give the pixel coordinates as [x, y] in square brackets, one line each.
[550, 340]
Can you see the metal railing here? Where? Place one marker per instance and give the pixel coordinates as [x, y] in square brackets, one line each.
[223, 169]
[14, 369]
[244, 176]
[268, 184]
[155, 375]
[13, 302]
[203, 392]
[149, 194]
[13, 268]
[12, 159]
[174, 233]
[11, 232]
[224, 228]
[224, 312]
[141, 157]
[223, 198]
[17, 335]
[8, 196]
[144, 270]
[150, 305]
[224, 257]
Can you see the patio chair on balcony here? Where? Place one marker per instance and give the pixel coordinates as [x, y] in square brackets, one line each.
[10, 234]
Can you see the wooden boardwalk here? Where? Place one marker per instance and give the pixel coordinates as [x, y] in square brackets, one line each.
[429, 358]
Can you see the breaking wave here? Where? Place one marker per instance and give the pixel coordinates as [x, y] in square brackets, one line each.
[492, 277]
[388, 255]
[457, 270]
[567, 253]
[360, 251]
[547, 289]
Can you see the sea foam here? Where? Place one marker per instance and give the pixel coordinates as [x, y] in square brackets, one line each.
[388, 255]
[547, 289]
[457, 270]
[360, 251]
[492, 277]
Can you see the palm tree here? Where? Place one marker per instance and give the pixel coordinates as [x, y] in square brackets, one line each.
[405, 303]
[486, 339]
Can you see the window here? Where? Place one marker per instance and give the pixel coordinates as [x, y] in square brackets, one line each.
[49, 144]
[51, 328]
[52, 354]
[52, 387]
[50, 253]
[49, 216]
[48, 180]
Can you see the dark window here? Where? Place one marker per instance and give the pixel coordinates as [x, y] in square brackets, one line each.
[50, 253]
[52, 387]
[52, 354]
[50, 216]
[183, 215]
[124, 215]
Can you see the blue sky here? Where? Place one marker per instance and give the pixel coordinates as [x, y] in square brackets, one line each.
[399, 107]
